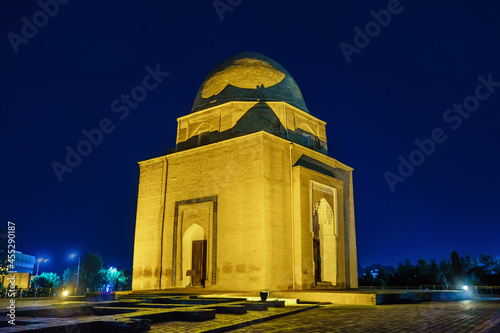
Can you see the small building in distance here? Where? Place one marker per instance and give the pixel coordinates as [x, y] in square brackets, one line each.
[21, 270]
[21, 280]
[249, 199]
[24, 263]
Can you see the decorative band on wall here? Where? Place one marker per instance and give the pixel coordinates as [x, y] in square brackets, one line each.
[212, 199]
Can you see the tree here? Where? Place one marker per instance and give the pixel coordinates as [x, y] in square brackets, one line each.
[466, 263]
[405, 274]
[495, 276]
[128, 284]
[47, 280]
[382, 277]
[457, 271]
[423, 271]
[444, 272]
[367, 278]
[69, 276]
[488, 269]
[484, 270]
[90, 272]
[496, 266]
[435, 274]
[113, 278]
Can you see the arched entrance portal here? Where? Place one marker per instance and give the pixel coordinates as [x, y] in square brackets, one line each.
[324, 244]
[194, 256]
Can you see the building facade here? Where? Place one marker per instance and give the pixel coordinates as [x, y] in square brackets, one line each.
[249, 199]
[24, 263]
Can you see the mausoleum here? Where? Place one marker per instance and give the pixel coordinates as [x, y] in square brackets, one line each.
[249, 198]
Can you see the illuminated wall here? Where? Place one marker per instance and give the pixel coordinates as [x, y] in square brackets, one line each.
[21, 280]
[249, 179]
[238, 118]
[255, 203]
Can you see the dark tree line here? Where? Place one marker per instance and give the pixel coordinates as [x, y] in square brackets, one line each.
[94, 276]
[484, 270]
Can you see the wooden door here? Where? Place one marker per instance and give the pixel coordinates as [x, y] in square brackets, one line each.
[317, 260]
[199, 262]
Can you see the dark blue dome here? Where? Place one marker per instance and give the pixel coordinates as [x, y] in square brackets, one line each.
[248, 76]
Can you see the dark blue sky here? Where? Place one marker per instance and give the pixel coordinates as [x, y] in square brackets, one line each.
[396, 89]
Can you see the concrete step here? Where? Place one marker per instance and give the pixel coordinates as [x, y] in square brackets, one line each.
[323, 283]
[325, 287]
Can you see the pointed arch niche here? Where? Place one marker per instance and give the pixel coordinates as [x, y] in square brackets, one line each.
[325, 233]
[193, 233]
[195, 220]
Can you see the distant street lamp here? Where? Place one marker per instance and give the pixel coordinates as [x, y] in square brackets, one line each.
[78, 272]
[39, 260]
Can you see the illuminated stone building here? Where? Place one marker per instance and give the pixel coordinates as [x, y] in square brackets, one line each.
[249, 198]
[23, 263]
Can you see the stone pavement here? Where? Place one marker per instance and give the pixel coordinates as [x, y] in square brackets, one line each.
[34, 302]
[463, 316]
[224, 322]
[478, 315]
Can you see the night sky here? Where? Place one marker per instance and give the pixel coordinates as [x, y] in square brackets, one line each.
[377, 96]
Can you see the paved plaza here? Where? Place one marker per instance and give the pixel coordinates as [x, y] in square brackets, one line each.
[476, 315]
[463, 316]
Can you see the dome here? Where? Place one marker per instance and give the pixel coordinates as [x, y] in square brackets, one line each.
[248, 76]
